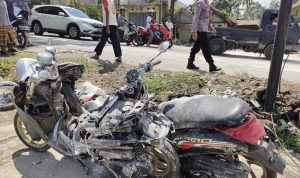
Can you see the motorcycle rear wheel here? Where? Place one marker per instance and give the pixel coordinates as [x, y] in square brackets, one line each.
[267, 173]
[38, 146]
[22, 39]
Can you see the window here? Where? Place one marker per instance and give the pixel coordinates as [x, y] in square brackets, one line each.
[43, 10]
[55, 11]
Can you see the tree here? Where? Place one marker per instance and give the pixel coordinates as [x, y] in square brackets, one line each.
[172, 8]
[254, 11]
[275, 4]
[247, 2]
[227, 6]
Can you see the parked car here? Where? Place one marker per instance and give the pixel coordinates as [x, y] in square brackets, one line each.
[63, 20]
[258, 41]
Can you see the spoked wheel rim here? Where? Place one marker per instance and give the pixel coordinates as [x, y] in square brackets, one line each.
[23, 133]
[73, 32]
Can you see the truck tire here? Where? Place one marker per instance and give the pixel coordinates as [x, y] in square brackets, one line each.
[217, 46]
[269, 51]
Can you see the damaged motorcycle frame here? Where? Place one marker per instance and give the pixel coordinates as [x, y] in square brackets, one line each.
[119, 133]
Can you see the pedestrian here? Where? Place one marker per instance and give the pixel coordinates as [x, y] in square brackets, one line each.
[200, 29]
[170, 25]
[8, 37]
[149, 25]
[109, 30]
[11, 12]
[123, 30]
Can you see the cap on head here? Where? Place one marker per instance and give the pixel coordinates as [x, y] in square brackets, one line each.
[122, 9]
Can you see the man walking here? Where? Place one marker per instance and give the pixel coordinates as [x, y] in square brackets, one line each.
[109, 30]
[200, 29]
[149, 23]
[8, 37]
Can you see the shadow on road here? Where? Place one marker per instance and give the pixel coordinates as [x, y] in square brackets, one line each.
[34, 164]
[242, 57]
[108, 66]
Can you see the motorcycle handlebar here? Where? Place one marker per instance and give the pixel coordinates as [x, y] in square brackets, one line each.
[156, 63]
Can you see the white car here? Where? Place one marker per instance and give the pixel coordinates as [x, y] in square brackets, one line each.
[63, 20]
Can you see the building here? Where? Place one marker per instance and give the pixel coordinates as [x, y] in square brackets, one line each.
[138, 10]
[296, 9]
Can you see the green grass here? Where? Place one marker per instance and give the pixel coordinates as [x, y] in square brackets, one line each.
[7, 64]
[290, 139]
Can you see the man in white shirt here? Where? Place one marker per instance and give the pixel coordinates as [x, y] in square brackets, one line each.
[170, 25]
[109, 30]
[148, 26]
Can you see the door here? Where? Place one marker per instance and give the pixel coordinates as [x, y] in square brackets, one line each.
[58, 19]
[43, 13]
[139, 19]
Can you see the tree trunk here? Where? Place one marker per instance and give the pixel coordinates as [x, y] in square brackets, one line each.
[172, 8]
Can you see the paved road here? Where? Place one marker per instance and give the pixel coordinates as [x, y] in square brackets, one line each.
[175, 59]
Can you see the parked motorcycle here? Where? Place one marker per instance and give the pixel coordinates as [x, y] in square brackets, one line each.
[219, 137]
[21, 28]
[133, 35]
[161, 35]
[117, 132]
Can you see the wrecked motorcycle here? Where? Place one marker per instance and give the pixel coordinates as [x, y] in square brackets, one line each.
[117, 132]
[219, 137]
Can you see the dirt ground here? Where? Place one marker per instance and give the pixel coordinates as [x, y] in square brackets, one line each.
[17, 161]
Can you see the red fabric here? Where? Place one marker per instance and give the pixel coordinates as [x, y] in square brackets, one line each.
[105, 4]
[250, 132]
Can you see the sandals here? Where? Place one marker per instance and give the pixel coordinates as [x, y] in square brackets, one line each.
[118, 60]
[96, 57]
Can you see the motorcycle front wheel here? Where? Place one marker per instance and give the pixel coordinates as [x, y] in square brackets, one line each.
[23, 135]
[136, 40]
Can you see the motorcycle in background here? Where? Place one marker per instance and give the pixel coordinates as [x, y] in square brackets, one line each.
[159, 36]
[118, 133]
[133, 35]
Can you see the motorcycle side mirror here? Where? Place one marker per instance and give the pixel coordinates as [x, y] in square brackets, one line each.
[49, 41]
[164, 46]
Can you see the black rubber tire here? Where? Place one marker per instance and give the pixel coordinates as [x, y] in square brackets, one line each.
[72, 100]
[8, 106]
[22, 39]
[45, 148]
[169, 150]
[217, 46]
[268, 52]
[96, 38]
[171, 44]
[136, 40]
[74, 34]
[37, 28]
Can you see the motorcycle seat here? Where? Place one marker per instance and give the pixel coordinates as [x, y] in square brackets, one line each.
[205, 111]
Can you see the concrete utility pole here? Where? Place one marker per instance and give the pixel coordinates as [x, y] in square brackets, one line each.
[277, 57]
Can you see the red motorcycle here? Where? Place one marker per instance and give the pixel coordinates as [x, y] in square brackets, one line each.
[159, 36]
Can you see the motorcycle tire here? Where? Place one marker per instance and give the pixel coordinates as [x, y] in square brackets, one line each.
[136, 40]
[171, 44]
[20, 128]
[72, 100]
[6, 105]
[166, 148]
[22, 39]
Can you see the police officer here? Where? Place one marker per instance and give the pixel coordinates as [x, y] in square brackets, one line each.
[200, 29]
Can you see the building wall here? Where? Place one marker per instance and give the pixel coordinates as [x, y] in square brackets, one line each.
[296, 9]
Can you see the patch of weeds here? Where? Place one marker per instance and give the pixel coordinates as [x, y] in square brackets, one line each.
[290, 139]
[174, 82]
[8, 63]
[87, 64]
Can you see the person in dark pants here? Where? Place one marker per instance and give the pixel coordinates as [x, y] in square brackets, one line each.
[109, 30]
[200, 29]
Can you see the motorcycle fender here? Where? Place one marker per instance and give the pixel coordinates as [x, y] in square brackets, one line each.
[32, 126]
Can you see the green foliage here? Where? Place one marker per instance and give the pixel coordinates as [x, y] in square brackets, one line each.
[290, 139]
[254, 11]
[275, 4]
[91, 10]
